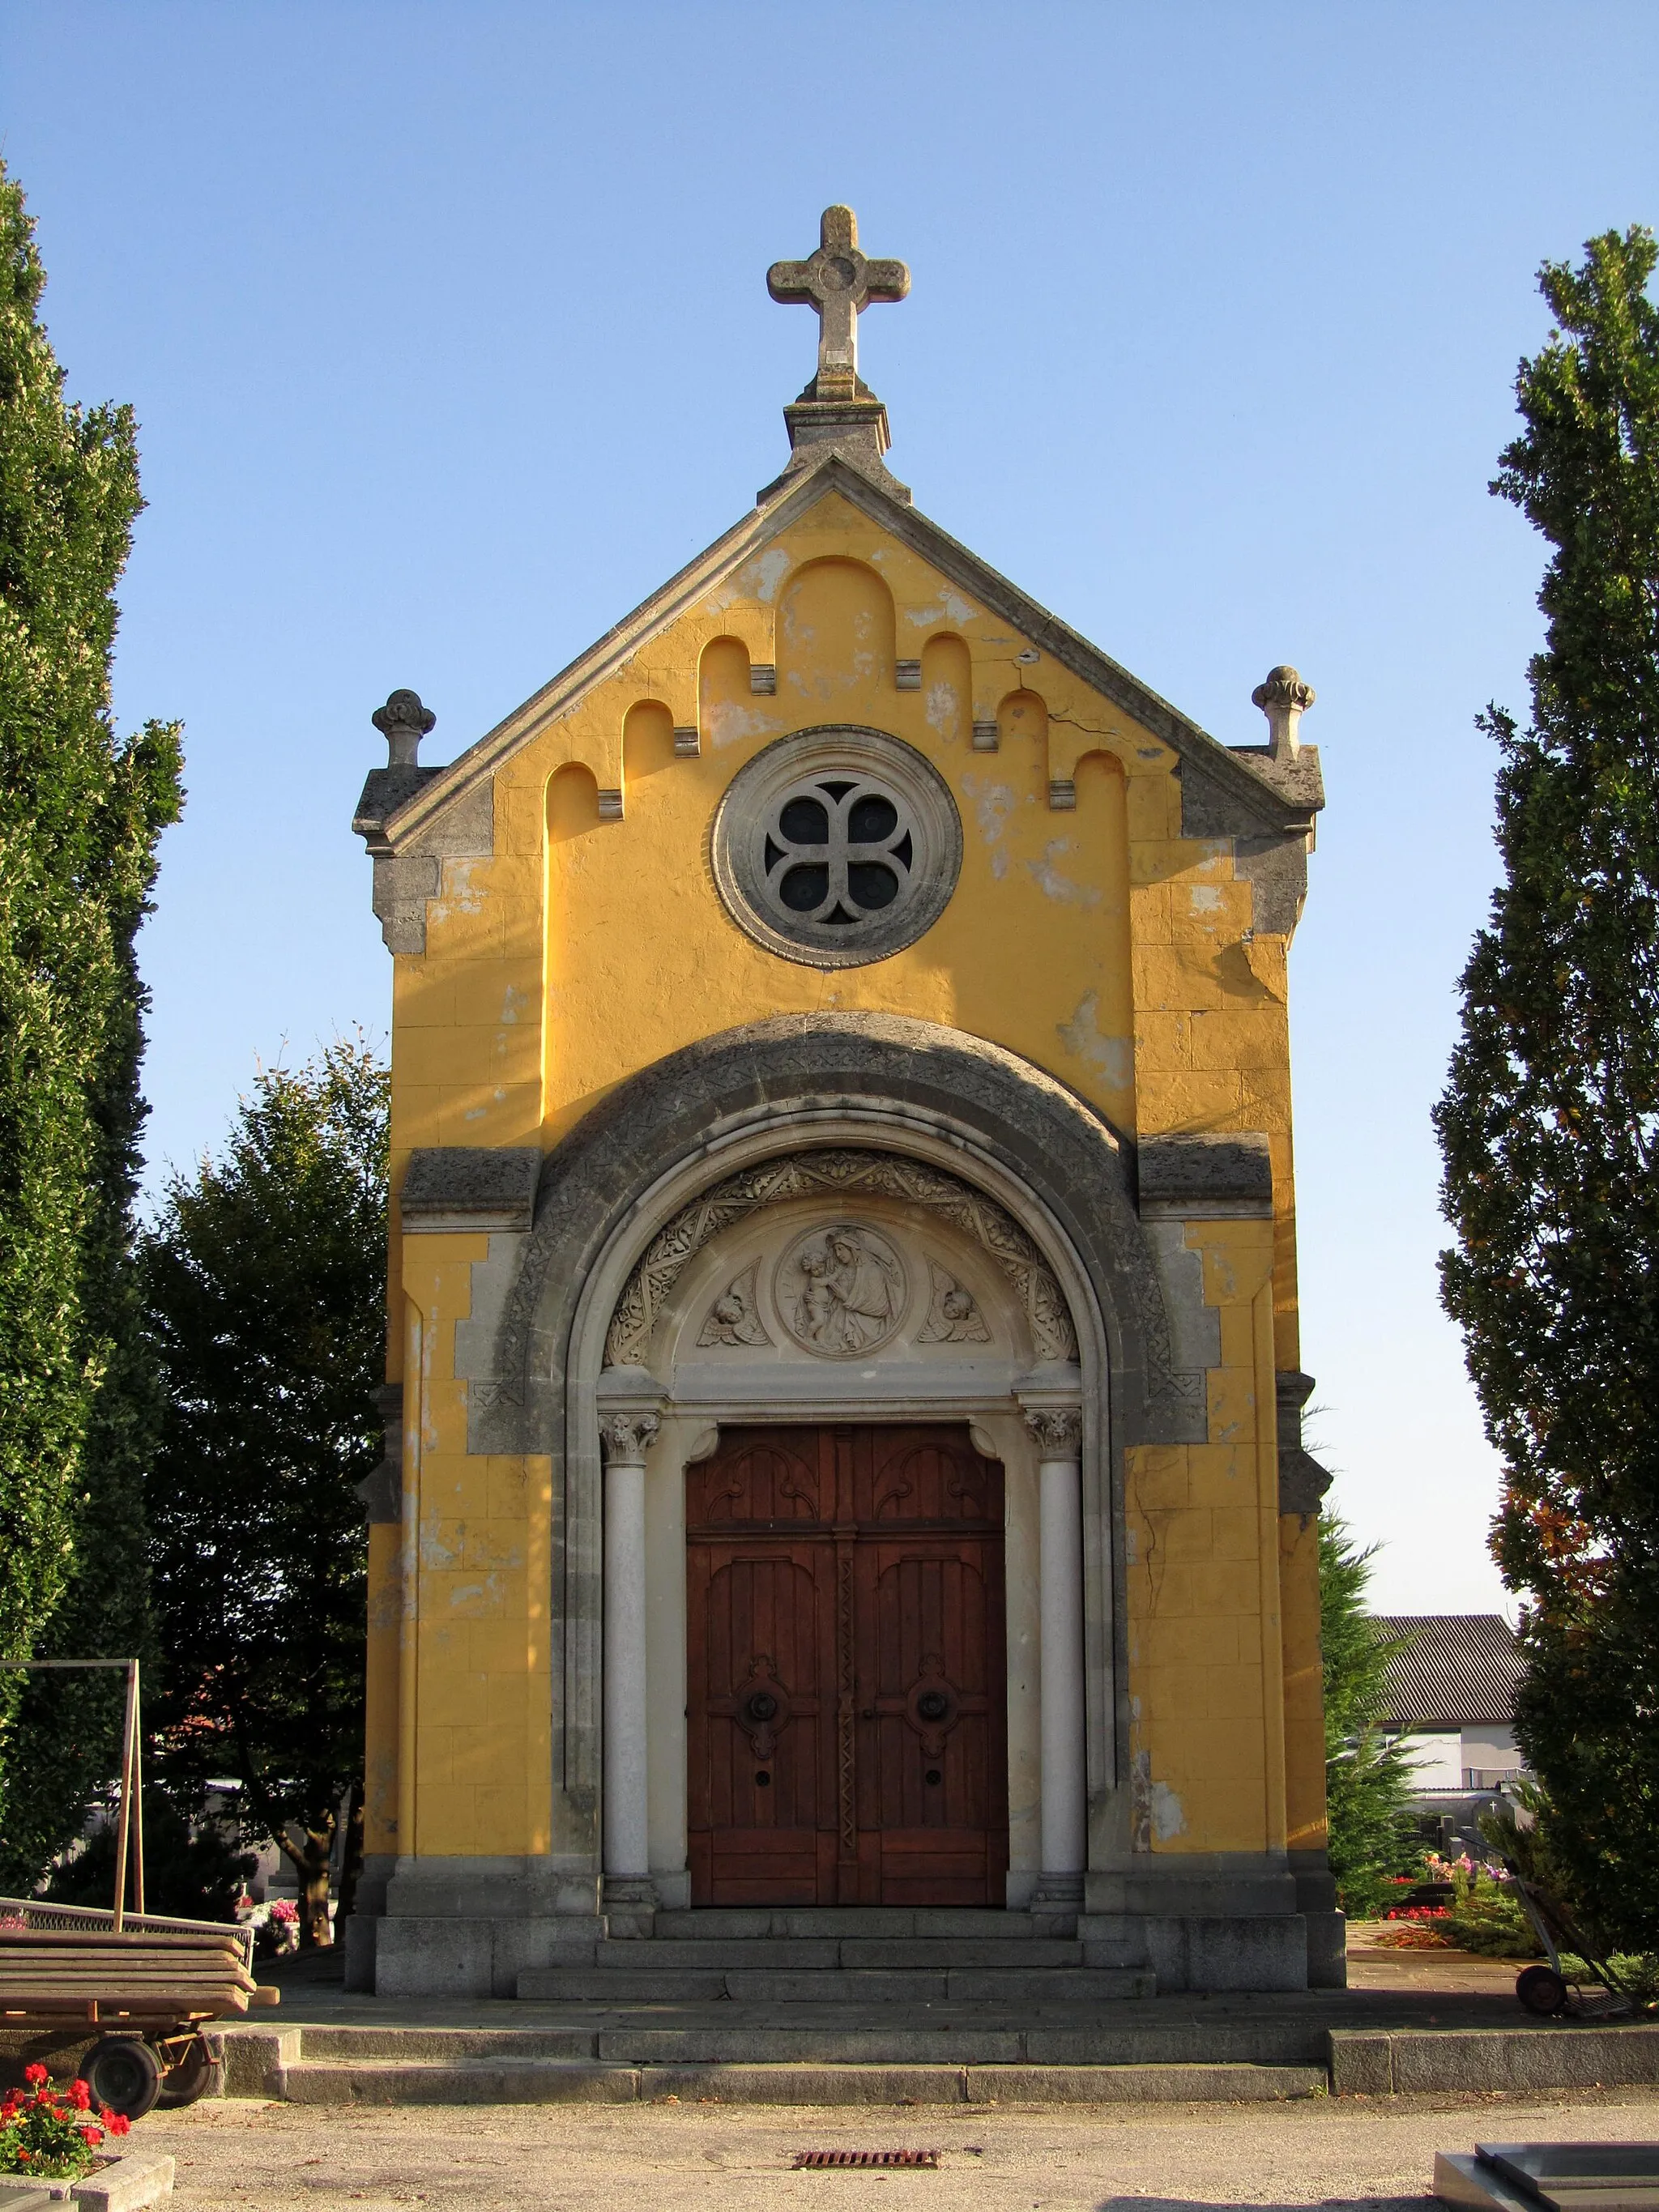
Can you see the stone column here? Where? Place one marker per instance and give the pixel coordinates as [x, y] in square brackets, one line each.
[626, 1436]
[1058, 1431]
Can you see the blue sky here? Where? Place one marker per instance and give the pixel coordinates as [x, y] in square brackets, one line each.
[447, 331]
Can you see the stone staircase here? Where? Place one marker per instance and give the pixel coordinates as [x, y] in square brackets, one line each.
[875, 1955]
[865, 2005]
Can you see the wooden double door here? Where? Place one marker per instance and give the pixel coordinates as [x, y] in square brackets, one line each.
[848, 1668]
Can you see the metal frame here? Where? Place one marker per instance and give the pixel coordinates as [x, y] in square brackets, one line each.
[129, 1840]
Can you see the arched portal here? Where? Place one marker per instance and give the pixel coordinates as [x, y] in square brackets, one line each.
[533, 1356]
[844, 1660]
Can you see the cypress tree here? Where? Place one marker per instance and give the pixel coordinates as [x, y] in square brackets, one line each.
[1550, 1120]
[81, 812]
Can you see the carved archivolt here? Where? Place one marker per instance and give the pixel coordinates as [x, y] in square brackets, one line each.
[841, 1174]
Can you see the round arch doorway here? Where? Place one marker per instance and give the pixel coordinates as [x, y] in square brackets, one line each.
[843, 1549]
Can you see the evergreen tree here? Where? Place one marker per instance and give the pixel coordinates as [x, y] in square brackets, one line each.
[81, 812]
[1550, 1120]
[1368, 1776]
[266, 1276]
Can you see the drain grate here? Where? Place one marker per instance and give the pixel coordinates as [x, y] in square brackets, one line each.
[866, 2158]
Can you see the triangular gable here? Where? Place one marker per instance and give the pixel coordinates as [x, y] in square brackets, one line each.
[1273, 798]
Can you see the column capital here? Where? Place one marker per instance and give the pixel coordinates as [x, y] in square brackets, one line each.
[627, 1437]
[1058, 1431]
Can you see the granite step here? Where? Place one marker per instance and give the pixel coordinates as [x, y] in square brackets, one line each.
[978, 2037]
[654, 1983]
[370, 2081]
[710, 1956]
[948, 1924]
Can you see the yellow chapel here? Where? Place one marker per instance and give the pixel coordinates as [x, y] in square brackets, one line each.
[844, 1474]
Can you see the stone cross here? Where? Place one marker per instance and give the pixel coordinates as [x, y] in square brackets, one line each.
[839, 283]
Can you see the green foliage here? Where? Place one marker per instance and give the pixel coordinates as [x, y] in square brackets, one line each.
[195, 1870]
[266, 1275]
[1367, 1775]
[1487, 1917]
[81, 812]
[1550, 1121]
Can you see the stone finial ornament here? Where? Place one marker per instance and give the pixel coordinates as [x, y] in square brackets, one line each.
[403, 722]
[838, 282]
[1284, 699]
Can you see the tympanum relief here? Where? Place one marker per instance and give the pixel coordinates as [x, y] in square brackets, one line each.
[849, 1289]
[843, 1286]
[842, 1291]
[734, 1318]
[953, 1316]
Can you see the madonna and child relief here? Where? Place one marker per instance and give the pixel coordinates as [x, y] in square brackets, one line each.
[843, 1291]
[852, 1291]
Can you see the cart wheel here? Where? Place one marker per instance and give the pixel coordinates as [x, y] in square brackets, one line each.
[123, 2072]
[192, 2076]
[1541, 1989]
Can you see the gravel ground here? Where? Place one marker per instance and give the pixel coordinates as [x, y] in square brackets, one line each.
[238, 2156]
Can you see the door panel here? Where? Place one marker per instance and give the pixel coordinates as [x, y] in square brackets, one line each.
[847, 1669]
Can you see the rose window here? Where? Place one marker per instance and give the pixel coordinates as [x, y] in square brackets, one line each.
[836, 847]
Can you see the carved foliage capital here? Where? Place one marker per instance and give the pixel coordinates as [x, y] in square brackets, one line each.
[1058, 1431]
[627, 1437]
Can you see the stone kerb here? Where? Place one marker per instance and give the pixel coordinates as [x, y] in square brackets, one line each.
[127, 2184]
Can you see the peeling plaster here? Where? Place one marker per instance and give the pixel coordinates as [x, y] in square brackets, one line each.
[1168, 1814]
[459, 891]
[435, 1555]
[994, 809]
[1046, 874]
[726, 721]
[1206, 897]
[941, 708]
[1082, 1038]
[763, 576]
[476, 1597]
[950, 607]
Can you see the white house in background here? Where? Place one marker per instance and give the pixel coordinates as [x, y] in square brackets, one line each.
[1451, 1694]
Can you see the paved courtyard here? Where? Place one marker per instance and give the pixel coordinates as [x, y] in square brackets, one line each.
[239, 2156]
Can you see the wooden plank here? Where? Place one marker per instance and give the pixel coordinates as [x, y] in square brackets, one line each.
[205, 1938]
[113, 1993]
[78, 1985]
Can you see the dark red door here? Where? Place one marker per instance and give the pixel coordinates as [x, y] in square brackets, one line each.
[847, 1668]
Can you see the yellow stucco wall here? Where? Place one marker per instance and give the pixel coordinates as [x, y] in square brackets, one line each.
[1097, 942]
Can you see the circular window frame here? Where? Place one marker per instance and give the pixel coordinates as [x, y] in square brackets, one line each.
[739, 835]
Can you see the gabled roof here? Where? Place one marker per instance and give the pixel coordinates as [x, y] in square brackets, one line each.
[1275, 796]
[1456, 1668]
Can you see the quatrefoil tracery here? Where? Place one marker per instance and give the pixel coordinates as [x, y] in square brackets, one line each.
[839, 848]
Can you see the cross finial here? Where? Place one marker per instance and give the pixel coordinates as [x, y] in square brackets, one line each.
[839, 283]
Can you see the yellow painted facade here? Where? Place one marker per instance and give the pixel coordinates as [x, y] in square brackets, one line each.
[1093, 934]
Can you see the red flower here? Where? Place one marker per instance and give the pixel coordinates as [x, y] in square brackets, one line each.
[116, 2122]
[34, 2075]
[80, 2096]
[92, 2137]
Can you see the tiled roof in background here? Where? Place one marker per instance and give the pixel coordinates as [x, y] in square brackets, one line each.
[1456, 1668]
